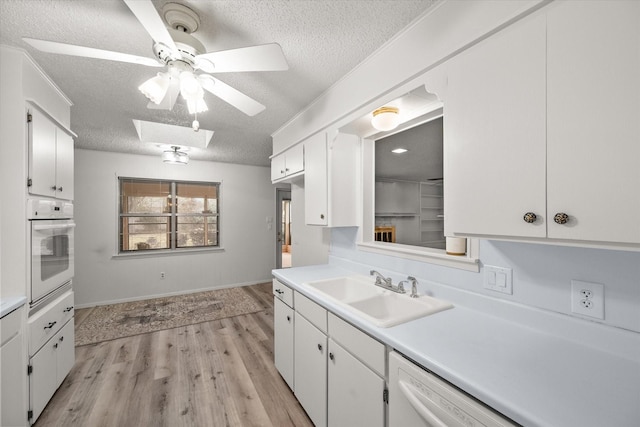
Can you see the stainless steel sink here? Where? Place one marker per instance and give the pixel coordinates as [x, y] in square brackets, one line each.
[383, 308]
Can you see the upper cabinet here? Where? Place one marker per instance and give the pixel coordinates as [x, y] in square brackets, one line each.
[541, 128]
[50, 156]
[332, 168]
[288, 164]
[593, 120]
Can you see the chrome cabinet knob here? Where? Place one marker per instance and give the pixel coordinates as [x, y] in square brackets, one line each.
[288, 318]
[320, 347]
[54, 188]
[60, 189]
[561, 218]
[530, 217]
[321, 216]
[331, 356]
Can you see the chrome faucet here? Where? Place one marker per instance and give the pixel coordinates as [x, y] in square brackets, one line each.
[414, 286]
[386, 283]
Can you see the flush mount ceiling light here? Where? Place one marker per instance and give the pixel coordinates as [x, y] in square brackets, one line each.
[175, 157]
[385, 118]
[399, 150]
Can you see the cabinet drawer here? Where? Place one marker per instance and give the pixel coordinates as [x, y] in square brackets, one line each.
[313, 312]
[368, 350]
[43, 325]
[10, 325]
[283, 292]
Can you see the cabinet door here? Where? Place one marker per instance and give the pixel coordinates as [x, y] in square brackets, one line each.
[310, 378]
[295, 159]
[594, 120]
[355, 392]
[277, 167]
[66, 352]
[283, 340]
[316, 187]
[494, 134]
[42, 154]
[64, 165]
[13, 383]
[43, 380]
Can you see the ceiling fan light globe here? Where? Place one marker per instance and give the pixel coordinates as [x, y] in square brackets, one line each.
[189, 85]
[155, 88]
[196, 105]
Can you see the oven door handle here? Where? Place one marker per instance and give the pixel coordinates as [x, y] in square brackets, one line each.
[410, 393]
[53, 227]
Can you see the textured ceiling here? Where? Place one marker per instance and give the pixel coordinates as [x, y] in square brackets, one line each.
[321, 39]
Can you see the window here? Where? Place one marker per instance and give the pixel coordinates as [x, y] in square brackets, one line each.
[157, 214]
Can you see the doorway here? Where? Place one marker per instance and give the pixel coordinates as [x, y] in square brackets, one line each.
[283, 228]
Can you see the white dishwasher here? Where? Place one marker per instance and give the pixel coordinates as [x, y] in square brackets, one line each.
[419, 398]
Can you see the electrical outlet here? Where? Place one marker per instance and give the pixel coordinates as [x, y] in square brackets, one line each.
[162, 274]
[587, 299]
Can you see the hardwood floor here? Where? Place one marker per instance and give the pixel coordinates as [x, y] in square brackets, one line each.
[218, 373]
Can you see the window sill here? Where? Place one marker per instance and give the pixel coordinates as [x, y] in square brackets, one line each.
[164, 252]
[431, 256]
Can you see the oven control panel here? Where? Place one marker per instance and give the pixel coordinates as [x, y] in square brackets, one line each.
[49, 209]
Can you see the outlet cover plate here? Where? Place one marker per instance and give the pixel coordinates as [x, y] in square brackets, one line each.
[587, 299]
[498, 279]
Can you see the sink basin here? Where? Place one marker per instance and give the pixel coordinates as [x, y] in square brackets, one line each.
[382, 307]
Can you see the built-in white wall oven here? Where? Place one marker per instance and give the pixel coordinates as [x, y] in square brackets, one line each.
[51, 245]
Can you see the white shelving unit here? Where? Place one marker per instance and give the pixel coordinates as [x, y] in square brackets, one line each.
[432, 215]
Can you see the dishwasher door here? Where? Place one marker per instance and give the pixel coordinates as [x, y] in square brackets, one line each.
[419, 398]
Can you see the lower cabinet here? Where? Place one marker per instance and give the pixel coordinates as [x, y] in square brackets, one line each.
[12, 374]
[49, 366]
[311, 370]
[339, 371]
[355, 392]
[283, 340]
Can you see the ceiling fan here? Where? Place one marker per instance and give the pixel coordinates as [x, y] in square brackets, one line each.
[181, 54]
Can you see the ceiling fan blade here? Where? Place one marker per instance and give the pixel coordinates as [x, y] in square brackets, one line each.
[89, 52]
[242, 102]
[170, 97]
[151, 21]
[266, 57]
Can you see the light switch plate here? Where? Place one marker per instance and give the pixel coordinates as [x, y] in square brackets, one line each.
[498, 279]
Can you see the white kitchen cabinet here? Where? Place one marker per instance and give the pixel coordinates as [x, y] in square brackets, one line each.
[355, 376]
[593, 122]
[12, 373]
[288, 164]
[49, 366]
[339, 371]
[494, 130]
[311, 370]
[283, 328]
[50, 156]
[331, 180]
[531, 149]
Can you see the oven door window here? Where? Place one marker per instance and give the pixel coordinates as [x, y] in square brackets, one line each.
[54, 256]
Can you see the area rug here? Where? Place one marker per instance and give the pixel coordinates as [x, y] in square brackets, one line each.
[109, 322]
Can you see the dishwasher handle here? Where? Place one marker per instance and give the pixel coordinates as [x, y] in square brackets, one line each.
[410, 392]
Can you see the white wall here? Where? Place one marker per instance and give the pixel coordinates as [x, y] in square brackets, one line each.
[309, 243]
[247, 199]
[542, 274]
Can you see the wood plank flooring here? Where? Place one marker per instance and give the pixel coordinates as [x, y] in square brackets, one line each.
[218, 373]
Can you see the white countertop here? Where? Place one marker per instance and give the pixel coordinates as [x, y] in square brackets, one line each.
[513, 358]
[8, 304]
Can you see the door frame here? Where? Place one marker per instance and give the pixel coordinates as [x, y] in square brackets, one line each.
[282, 194]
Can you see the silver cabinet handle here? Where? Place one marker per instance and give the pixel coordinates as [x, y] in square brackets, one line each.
[68, 309]
[279, 291]
[561, 218]
[50, 325]
[530, 217]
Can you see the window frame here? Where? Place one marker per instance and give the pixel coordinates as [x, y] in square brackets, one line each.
[173, 216]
